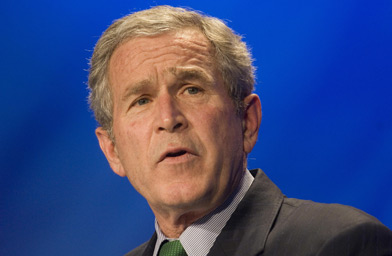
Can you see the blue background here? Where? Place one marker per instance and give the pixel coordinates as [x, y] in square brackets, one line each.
[325, 80]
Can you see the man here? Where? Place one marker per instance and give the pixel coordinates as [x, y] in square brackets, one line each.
[172, 91]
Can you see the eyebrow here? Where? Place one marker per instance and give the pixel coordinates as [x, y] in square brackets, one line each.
[184, 74]
[136, 88]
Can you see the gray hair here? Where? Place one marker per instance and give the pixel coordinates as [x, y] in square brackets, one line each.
[232, 56]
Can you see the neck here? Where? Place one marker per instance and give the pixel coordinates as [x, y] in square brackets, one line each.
[172, 226]
[173, 222]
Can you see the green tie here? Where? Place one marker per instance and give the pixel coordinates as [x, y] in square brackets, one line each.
[173, 248]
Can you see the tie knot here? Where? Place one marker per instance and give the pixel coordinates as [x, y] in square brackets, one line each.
[173, 248]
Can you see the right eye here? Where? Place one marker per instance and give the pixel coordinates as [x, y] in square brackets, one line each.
[193, 90]
[142, 101]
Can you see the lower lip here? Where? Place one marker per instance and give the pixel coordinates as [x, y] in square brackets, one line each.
[178, 159]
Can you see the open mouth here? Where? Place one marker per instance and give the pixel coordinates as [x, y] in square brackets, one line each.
[175, 154]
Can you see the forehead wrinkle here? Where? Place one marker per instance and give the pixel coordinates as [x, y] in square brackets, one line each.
[192, 73]
[180, 44]
[185, 51]
[183, 43]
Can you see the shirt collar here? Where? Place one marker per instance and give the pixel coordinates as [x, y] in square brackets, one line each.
[206, 230]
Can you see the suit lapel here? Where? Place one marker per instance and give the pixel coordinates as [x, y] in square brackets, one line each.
[246, 231]
[149, 250]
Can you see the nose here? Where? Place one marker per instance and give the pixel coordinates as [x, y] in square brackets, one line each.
[169, 116]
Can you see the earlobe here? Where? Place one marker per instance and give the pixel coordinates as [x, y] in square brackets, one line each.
[109, 149]
[251, 121]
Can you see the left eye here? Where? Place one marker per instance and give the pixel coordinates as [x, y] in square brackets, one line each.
[192, 90]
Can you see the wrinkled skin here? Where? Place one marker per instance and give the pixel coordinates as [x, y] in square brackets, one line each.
[178, 138]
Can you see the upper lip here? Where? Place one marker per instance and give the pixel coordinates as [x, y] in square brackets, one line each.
[177, 150]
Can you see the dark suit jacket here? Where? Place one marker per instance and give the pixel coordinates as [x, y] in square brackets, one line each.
[267, 223]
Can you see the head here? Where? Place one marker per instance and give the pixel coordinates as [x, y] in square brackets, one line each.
[172, 91]
[230, 53]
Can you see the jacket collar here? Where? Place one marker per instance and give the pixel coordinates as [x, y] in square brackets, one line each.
[247, 230]
[150, 246]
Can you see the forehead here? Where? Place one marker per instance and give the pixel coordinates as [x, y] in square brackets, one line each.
[190, 44]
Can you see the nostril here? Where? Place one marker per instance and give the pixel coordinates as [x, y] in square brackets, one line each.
[170, 128]
[177, 126]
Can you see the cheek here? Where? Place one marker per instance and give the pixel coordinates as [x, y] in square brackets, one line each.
[221, 129]
[131, 131]
[130, 142]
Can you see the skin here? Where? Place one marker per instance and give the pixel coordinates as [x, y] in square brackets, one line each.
[178, 138]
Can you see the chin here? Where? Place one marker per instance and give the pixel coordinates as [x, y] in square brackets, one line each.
[188, 199]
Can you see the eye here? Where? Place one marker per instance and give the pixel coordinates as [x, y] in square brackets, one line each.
[142, 101]
[192, 90]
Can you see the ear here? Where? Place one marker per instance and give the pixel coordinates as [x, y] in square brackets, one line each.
[251, 121]
[109, 149]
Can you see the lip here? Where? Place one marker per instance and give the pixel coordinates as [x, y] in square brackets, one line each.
[164, 155]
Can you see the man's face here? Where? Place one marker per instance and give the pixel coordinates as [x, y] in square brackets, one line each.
[178, 138]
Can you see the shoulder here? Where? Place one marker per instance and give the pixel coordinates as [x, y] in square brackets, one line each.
[328, 229]
[138, 250]
[332, 216]
[146, 248]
